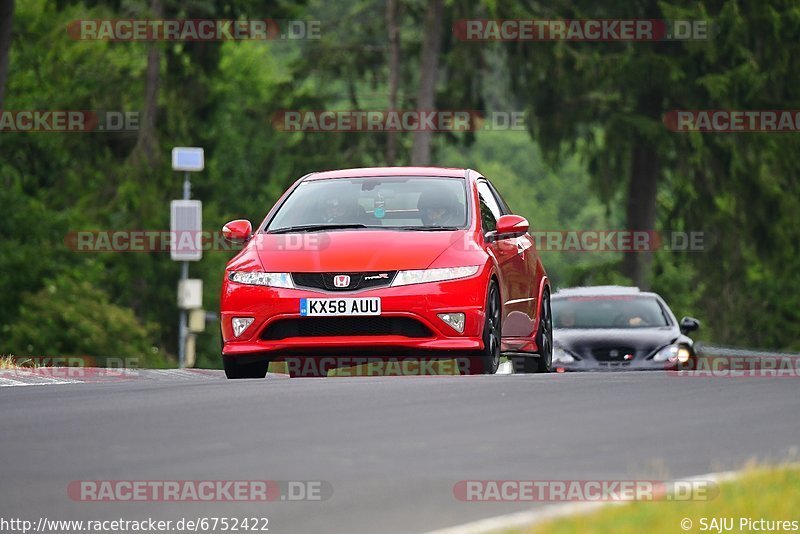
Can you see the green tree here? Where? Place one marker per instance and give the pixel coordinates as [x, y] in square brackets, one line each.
[69, 317]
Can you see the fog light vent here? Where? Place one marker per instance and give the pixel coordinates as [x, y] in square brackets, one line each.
[240, 324]
[455, 320]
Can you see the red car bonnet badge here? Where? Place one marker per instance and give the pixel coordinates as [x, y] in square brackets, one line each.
[341, 280]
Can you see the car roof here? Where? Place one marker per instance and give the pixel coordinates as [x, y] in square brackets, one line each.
[601, 291]
[365, 172]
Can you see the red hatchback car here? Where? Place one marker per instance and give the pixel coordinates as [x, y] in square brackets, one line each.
[409, 262]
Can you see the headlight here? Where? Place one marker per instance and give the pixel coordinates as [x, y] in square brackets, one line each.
[422, 276]
[673, 353]
[257, 278]
[562, 356]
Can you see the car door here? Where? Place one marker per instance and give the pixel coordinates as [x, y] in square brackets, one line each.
[514, 283]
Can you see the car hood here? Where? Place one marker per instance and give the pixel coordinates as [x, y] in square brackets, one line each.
[579, 341]
[352, 251]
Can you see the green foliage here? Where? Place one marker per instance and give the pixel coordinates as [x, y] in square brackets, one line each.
[69, 317]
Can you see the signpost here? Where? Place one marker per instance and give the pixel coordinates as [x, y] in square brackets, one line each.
[186, 223]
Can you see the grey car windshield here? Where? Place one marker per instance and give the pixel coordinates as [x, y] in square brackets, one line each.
[375, 202]
[608, 312]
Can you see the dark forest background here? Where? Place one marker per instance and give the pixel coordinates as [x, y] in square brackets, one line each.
[595, 152]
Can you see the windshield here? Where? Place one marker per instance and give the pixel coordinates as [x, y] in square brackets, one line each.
[607, 312]
[374, 202]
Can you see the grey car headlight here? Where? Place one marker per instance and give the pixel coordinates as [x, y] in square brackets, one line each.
[673, 353]
[562, 356]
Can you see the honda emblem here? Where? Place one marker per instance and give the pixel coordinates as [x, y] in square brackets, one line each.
[341, 280]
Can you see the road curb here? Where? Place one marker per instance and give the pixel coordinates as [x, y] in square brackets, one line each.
[558, 511]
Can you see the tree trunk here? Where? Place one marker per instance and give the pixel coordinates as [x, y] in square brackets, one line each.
[641, 211]
[429, 68]
[394, 74]
[147, 144]
[6, 24]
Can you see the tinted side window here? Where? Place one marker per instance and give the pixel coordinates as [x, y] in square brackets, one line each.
[664, 313]
[490, 211]
[500, 200]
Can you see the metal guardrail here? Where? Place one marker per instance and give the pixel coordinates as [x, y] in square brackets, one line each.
[704, 349]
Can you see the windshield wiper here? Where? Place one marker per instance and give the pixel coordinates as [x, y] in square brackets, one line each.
[424, 228]
[316, 228]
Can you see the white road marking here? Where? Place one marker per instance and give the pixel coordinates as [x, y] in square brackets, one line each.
[505, 368]
[84, 375]
[23, 377]
[4, 381]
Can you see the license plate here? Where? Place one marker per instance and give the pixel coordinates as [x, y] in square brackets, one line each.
[340, 307]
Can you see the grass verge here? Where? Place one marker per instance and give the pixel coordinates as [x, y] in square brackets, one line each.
[770, 494]
[7, 361]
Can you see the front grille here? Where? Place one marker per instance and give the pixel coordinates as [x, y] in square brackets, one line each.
[613, 365]
[345, 326]
[612, 354]
[325, 281]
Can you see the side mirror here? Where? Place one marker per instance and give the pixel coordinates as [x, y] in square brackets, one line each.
[238, 230]
[509, 226]
[689, 324]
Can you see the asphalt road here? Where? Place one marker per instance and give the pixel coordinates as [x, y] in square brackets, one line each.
[391, 448]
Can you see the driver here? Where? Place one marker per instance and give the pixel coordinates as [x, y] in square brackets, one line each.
[637, 321]
[339, 208]
[439, 208]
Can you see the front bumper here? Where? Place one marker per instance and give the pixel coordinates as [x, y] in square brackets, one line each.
[587, 364]
[420, 302]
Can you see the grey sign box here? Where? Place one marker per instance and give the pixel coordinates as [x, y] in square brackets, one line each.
[186, 225]
[190, 294]
[187, 159]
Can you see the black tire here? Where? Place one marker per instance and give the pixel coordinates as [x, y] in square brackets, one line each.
[489, 357]
[236, 370]
[544, 339]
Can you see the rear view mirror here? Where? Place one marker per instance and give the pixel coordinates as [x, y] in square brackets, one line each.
[689, 324]
[238, 230]
[509, 226]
